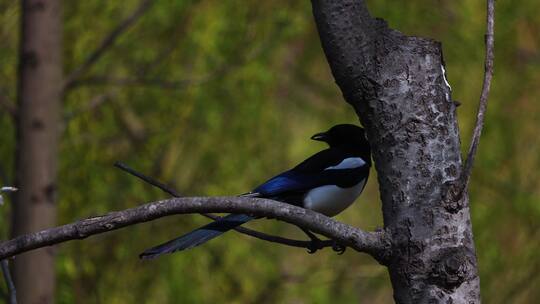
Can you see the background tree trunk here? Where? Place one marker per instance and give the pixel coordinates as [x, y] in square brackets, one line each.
[39, 94]
[398, 88]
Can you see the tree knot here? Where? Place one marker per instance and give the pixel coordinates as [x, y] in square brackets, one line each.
[452, 199]
[451, 267]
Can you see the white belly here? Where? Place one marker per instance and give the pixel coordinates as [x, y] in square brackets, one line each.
[331, 200]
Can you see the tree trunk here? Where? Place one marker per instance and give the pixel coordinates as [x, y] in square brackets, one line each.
[39, 94]
[398, 88]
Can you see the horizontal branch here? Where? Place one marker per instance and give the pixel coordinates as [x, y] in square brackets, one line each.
[374, 243]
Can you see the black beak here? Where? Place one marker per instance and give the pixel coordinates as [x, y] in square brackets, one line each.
[320, 136]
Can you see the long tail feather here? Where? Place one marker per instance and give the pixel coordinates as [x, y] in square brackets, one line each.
[198, 236]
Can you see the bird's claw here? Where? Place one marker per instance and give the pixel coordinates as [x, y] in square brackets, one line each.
[340, 249]
[313, 246]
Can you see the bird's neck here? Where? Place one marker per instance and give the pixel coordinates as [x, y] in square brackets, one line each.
[358, 150]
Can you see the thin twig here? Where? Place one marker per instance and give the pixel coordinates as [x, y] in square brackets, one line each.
[375, 243]
[107, 42]
[9, 282]
[311, 245]
[488, 75]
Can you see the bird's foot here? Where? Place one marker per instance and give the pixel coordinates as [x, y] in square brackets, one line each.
[339, 248]
[314, 245]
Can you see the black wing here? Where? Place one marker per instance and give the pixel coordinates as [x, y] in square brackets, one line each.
[290, 186]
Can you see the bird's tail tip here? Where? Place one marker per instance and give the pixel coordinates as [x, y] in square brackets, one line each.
[143, 256]
[154, 252]
[150, 254]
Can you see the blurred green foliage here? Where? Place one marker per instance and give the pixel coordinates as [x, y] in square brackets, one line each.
[253, 84]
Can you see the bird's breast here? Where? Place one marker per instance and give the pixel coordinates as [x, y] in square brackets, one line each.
[330, 199]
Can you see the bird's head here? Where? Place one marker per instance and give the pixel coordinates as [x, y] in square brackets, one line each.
[344, 135]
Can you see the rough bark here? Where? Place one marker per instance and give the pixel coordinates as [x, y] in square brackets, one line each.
[398, 88]
[39, 93]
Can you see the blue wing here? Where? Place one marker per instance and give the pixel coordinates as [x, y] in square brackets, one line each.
[287, 182]
[291, 185]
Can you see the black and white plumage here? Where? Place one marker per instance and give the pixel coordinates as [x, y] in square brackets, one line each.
[327, 182]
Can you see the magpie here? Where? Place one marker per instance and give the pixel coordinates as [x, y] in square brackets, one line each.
[327, 182]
